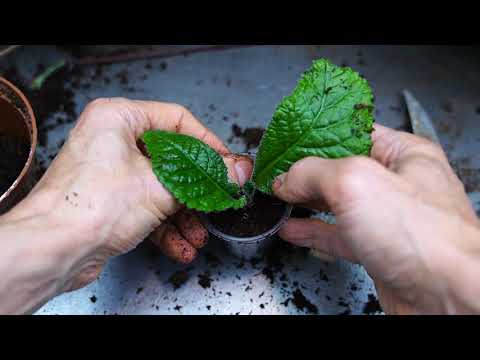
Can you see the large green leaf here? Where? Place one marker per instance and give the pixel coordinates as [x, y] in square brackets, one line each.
[192, 171]
[328, 115]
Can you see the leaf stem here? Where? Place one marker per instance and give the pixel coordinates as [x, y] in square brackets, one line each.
[38, 82]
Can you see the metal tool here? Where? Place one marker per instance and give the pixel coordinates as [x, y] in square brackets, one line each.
[419, 118]
[422, 126]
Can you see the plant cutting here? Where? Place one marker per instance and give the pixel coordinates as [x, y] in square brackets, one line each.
[329, 114]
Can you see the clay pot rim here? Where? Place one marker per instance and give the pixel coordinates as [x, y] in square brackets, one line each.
[33, 142]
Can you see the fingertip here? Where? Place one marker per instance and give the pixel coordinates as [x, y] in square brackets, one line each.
[278, 184]
[192, 229]
[187, 256]
[240, 168]
[244, 170]
[172, 244]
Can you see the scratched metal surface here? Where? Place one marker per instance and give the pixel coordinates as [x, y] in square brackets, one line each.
[243, 86]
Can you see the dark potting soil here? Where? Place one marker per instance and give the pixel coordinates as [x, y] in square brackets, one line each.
[178, 279]
[251, 137]
[205, 280]
[301, 302]
[261, 215]
[13, 156]
[372, 307]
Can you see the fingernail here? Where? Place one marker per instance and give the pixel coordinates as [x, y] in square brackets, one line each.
[277, 184]
[243, 169]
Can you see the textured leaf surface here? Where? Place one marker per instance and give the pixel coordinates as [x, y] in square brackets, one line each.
[328, 115]
[192, 171]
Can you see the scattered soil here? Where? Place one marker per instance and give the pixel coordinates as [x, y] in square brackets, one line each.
[205, 281]
[251, 137]
[178, 279]
[323, 276]
[302, 303]
[274, 259]
[447, 106]
[269, 274]
[212, 260]
[372, 306]
[261, 215]
[93, 299]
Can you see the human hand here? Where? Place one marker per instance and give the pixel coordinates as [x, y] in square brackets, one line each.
[403, 214]
[102, 184]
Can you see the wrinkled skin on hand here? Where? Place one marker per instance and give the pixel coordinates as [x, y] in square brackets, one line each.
[403, 214]
[101, 180]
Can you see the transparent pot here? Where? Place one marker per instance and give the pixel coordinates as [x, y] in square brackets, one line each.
[249, 248]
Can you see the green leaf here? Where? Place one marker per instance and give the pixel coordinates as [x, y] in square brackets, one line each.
[192, 171]
[328, 115]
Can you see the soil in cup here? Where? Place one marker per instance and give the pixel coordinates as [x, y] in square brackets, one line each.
[260, 216]
[14, 154]
[14, 148]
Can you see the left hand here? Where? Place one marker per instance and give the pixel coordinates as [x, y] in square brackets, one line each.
[102, 184]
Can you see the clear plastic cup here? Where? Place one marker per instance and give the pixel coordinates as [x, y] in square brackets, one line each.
[251, 247]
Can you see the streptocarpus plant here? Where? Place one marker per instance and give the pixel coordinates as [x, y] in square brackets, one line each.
[329, 115]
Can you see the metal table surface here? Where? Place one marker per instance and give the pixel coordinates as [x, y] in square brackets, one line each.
[243, 86]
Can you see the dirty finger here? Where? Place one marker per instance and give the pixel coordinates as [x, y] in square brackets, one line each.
[173, 245]
[191, 228]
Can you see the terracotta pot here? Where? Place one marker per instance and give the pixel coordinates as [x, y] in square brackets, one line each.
[17, 119]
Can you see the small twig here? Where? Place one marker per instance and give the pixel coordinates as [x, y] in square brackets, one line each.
[141, 55]
[8, 50]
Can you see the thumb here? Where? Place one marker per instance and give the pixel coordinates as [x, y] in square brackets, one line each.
[239, 167]
[316, 181]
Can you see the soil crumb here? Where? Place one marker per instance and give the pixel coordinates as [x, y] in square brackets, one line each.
[255, 219]
[251, 137]
[13, 157]
[302, 303]
[205, 281]
[178, 279]
[372, 307]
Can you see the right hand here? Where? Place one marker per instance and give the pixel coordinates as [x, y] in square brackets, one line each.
[403, 214]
